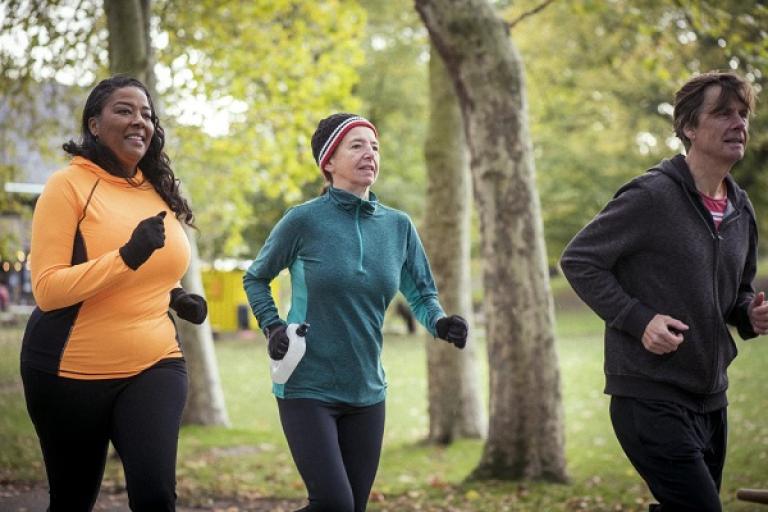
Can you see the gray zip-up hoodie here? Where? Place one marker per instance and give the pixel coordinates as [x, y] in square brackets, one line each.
[653, 250]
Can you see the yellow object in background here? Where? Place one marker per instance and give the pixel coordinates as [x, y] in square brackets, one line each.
[228, 309]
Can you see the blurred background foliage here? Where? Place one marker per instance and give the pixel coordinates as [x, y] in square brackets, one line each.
[242, 86]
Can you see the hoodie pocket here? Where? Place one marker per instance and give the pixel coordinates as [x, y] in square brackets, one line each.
[692, 367]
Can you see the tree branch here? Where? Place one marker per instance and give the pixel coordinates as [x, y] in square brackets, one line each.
[526, 14]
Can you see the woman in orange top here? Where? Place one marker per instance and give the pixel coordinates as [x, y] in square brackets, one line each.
[100, 359]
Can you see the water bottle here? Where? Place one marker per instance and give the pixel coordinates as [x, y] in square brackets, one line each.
[281, 370]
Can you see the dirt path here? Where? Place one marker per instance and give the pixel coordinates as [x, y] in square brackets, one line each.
[34, 498]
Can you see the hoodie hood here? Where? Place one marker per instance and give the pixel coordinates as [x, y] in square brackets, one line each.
[677, 169]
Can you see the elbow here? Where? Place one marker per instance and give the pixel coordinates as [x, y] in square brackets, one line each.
[44, 299]
[565, 267]
[44, 305]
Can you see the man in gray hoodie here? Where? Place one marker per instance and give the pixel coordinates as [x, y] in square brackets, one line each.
[668, 264]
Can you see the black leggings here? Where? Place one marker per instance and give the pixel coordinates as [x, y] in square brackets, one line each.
[679, 453]
[75, 420]
[336, 449]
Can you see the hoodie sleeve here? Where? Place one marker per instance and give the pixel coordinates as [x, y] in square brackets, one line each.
[278, 252]
[417, 283]
[57, 280]
[590, 257]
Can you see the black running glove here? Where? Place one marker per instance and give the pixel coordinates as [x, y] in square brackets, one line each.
[189, 306]
[148, 236]
[278, 340]
[453, 329]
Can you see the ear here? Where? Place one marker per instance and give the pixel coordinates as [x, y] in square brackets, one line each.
[329, 166]
[93, 126]
[689, 132]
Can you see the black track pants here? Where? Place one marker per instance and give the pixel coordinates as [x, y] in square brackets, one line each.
[75, 420]
[336, 449]
[679, 453]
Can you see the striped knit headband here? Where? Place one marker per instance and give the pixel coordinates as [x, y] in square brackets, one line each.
[330, 133]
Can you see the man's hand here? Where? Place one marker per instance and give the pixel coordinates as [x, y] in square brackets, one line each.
[663, 334]
[758, 313]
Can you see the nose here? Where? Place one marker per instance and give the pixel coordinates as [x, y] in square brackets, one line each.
[741, 122]
[139, 119]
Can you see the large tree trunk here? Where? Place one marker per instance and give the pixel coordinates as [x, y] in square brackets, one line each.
[455, 406]
[128, 40]
[205, 403]
[130, 53]
[525, 437]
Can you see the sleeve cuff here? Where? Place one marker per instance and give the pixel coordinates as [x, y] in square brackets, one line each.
[637, 319]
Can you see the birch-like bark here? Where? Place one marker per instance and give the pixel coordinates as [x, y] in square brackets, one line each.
[525, 435]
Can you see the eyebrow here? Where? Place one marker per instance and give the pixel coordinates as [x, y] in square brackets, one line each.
[128, 104]
[363, 139]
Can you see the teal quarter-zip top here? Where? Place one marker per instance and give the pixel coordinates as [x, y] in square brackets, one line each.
[347, 258]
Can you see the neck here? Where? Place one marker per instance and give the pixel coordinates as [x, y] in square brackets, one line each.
[361, 192]
[708, 175]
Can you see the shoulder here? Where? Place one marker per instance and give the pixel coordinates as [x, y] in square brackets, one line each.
[302, 214]
[648, 187]
[393, 214]
[306, 209]
[68, 180]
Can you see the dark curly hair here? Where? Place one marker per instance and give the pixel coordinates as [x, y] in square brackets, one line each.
[155, 164]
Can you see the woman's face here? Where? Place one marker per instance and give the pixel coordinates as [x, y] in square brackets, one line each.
[125, 126]
[354, 165]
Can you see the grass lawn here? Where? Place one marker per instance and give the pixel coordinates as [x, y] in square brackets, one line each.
[251, 458]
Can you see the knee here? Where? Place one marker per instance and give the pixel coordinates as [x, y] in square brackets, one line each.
[153, 500]
[333, 504]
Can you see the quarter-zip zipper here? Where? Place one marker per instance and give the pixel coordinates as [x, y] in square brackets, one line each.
[359, 236]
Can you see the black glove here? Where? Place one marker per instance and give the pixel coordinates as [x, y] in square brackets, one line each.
[148, 236]
[453, 329]
[278, 340]
[189, 306]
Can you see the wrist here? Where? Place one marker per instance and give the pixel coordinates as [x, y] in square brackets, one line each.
[272, 327]
[176, 294]
[130, 258]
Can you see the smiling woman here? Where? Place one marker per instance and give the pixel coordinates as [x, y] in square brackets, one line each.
[125, 126]
[100, 360]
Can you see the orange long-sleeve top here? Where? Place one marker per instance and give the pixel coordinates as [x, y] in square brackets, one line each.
[96, 317]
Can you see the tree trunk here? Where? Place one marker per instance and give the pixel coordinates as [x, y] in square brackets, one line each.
[525, 436]
[128, 39]
[130, 53]
[455, 406]
[205, 402]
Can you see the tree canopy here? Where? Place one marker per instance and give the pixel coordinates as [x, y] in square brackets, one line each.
[601, 78]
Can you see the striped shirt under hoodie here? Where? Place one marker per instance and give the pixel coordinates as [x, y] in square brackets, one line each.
[97, 318]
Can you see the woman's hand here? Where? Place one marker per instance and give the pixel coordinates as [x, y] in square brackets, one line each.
[453, 329]
[189, 306]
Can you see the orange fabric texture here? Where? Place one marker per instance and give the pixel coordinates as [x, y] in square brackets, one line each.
[122, 326]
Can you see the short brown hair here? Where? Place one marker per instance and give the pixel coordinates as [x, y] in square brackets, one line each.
[690, 98]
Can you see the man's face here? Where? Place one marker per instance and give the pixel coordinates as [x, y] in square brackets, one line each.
[721, 134]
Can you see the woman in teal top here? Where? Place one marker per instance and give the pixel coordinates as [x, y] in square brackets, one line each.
[348, 255]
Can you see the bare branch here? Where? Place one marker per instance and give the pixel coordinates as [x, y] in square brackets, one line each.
[526, 14]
